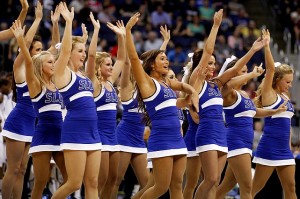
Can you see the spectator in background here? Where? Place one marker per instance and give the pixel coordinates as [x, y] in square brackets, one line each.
[84, 13]
[196, 28]
[152, 42]
[160, 17]
[250, 89]
[77, 5]
[138, 42]
[250, 29]
[222, 49]
[145, 16]
[226, 27]
[179, 29]
[127, 9]
[207, 13]
[191, 10]
[107, 14]
[7, 103]
[176, 58]
[258, 131]
[295, 18]
[235, 41]
[234, 7]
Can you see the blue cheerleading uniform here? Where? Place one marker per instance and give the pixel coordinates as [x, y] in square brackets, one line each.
[130, 130]
[274, 146]
[47, 133]
[211, 133]
[190, 136]
[106, 103]
[165, 138]
[239, 120]
[20, 123]
[79, 130]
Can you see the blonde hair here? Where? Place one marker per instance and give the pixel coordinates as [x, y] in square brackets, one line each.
[38, 61]
[279, 73]
[75, 40]
[100, 56]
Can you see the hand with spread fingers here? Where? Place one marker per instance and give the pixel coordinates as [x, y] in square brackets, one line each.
[119, 28]
[132, 21]
[64, 11]
[17, 29]
[165, 33]
[55, 16]
[95, 23]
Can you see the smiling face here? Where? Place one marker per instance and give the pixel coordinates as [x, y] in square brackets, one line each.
[283, 85]
[48, 65]
[106, 68]
[171, 75]
[36, 48]
[161, 64]
[211, 67]
[283, 78]
[78, 55]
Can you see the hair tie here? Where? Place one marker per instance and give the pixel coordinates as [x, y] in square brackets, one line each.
[58, 46]
[277, 64]
[228, 60]
[190, 55]
[188, 69]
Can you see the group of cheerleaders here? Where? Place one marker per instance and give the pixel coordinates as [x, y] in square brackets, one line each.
[89, 147]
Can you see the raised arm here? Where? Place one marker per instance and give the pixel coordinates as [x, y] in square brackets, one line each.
[126, 87]
[55, 30]
[228, 74]
[60, 65]
[85, 34]
[119, 29]
[166, 35]
[143, 80]
[33, 83]
[209, 46]
[90, 66]
[238, 81]
[8, 34]
[18, 70]
[268, 93]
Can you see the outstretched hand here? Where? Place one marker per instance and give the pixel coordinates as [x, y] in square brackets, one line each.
[55, 16]
[119, 28]
[64, 11]
[165, 33]
[218, 17]
[17, 29]
[258, 44]
[95, 23]
[132, 21]
[39, 11]
[85, 34]
[266, 36]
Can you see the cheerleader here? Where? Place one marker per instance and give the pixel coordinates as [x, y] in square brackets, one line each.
[80, 140]
[274, 149]
[166, 147]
